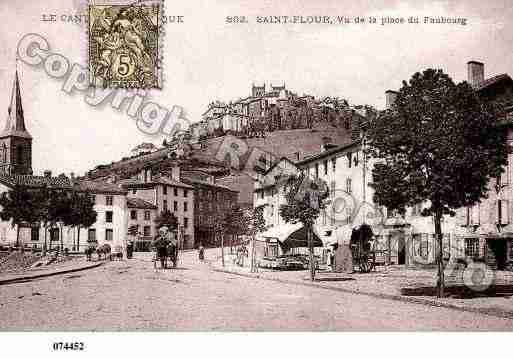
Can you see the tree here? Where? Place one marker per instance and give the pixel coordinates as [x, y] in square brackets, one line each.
[235, 223]
[256, 225]
[82, 214]
[60, 209]
[168, 219]
[219, 232]
[439, 145]
[18, 206]
[306, 198]
[42, 197]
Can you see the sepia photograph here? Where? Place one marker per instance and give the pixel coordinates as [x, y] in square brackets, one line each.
[254, 166]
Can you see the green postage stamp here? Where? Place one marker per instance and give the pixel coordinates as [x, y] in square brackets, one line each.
[125, 44]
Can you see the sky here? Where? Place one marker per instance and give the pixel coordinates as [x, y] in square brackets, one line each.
[206, 59]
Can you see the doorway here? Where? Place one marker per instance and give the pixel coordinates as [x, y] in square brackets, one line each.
[496, 253]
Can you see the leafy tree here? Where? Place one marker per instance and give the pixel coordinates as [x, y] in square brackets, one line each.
[168, 219]
[42, 197]
[256, 225]
[439, 145]
[60, 209]
[18, 206]
[82, 214]
[236, 223]
[306, 198]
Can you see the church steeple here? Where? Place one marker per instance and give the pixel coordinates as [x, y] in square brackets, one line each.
[15, 124]
[15, 141]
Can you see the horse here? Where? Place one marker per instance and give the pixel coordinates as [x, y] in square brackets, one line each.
[103, 249]
[89, 253]
[171, 253]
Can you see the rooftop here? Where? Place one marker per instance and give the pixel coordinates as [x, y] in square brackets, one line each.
[158, 180]
[139, 203]
[99, 187]
[335, 150]
[493, 80]
[61, 182]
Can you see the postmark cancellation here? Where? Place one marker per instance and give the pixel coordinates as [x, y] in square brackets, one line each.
[124, 45]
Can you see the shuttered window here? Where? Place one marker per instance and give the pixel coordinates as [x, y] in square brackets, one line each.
[503, 212]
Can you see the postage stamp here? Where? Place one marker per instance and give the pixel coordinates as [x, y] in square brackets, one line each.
[124, 49]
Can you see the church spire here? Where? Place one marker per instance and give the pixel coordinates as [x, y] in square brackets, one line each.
[15, 124]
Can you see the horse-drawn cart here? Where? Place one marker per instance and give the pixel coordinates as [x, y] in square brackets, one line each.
[165, 254]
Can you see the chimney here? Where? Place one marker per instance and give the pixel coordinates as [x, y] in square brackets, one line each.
[391, 96]
[175, 173]
[475, 73]
[47, 173]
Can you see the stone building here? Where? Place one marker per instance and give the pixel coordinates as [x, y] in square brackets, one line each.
[142, 214]
[212, 201]
[167, 194]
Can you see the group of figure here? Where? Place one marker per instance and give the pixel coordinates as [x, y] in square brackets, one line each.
[242, 252]
[165, 245]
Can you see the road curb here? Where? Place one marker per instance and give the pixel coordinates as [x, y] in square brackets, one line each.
[433, 303]
[43, 275]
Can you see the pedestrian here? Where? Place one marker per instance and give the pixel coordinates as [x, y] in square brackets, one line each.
[201, 253]
[129, 249]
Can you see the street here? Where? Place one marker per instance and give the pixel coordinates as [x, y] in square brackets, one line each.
[131, 295]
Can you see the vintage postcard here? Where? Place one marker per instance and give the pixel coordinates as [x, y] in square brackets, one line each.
[327, 166]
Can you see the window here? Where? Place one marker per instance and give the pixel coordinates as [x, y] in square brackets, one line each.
[34, 234]
[109, 234]
[175, 206]
[175, 191]
[416, 209]
[4, 153]
[108, 216]
[147, 215]
[503, 180]
[19, 154]
[164, 189]
[334, 163]
[109, 200]
[54, 234]
[165, 205]
[472, 247]
[91, 235]
[316, 170]
[349, 185]
[147, 231]
[133, 214]
[349, 157]
[185, 192]
[502, 212]
[185, 222]
[473, 215]
[185, 206]
[326, 167]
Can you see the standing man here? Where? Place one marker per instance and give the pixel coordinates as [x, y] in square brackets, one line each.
[160, 243]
